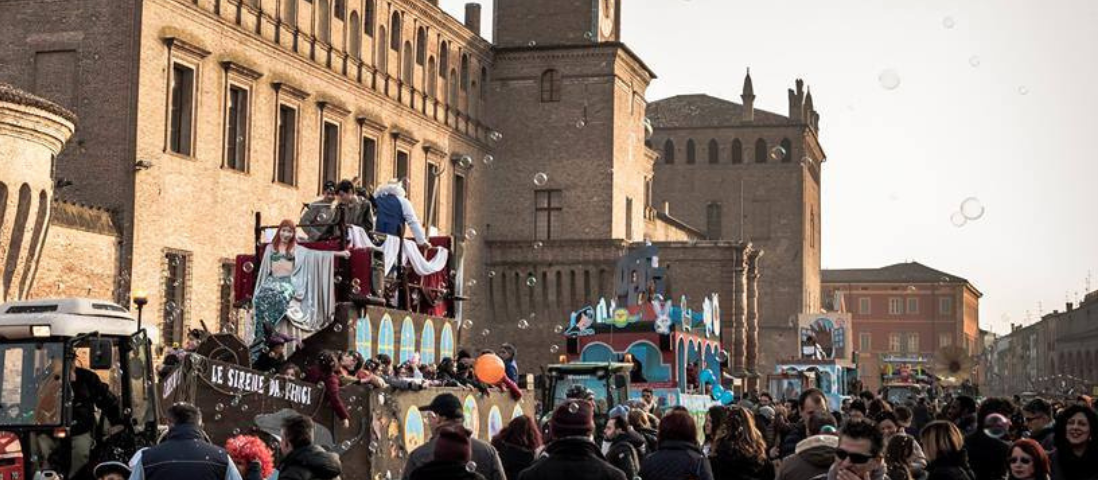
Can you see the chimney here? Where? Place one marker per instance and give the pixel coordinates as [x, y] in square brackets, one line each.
[1070, 306]
[472, 17]
[748, 97]
[796, 102]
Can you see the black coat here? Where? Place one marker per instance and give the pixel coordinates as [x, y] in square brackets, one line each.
[650, 440]
[729, 464]
[438, 470]
[89, 393]
[951, 467]
[309, 463]
[515, 459]
[791, 439]
[572, 458]
[623, 453]
[676, 460]
[184, 454]
[988, 456]
[1067, 466]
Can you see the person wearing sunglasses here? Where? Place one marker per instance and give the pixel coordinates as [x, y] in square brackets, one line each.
[1028, 461]
[944, 444]
[858, 456]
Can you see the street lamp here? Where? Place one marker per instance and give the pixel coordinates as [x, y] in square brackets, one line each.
[140, 298]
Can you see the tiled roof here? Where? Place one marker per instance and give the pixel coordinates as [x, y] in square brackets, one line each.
[910, 272]
[9, 93]
[701, 111]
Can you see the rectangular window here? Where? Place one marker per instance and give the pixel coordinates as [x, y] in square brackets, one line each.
[864, 306]
[459, 205]
[945, 306]
[944, 340]
[175, 297]
[182, 109]
[647, 193]
[402, 166]
[912, 305]
[431, 201]
[368, 169]
[330, 148]
[894, 342]
[913, 343]
[628, 218]
[895, 306]
[287, 145]
[865, 340]
[236, 131]
[547, 213]
[226, 303]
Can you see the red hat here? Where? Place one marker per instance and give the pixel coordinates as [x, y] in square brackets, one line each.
[453, 445]
[574, 418]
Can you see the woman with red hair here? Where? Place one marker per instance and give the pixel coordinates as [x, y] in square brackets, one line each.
[518, 445]
[295, 283]
[252, 457]
[1028, 461]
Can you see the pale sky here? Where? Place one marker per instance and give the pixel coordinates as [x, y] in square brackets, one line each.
[901, 161]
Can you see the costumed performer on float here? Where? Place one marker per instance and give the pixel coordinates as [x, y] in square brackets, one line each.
[394, 211]
[294, 283]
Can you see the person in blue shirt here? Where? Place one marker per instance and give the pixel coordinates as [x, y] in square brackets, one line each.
[510, 366]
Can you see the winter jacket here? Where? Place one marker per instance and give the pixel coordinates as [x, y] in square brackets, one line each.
[1067, 466]
[485, 456]
[184, 454]
[309, 463]
[676, 460]
[650, 440]
[987, 456]
[729, 464]
[515, 458]
[917, 462]
[623, 453]
[88, 393]
[438, 470]
[790, 441]
[813, 457]
[331, 390]
[951, 466]
[1045, 437]
[572, 458]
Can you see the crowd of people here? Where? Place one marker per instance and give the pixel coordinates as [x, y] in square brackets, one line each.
[867, 438]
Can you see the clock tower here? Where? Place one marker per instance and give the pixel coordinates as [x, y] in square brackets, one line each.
[530, 23]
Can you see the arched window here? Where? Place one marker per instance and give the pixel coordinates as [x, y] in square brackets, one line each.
[407, 339]
[409, 67]
[340, 9]
[464, 72]
[394, 32]
[446, 342]
[713, 221]
[760, 151]
[691, 152]
[452, 95]
[737, 152]
[356, 39]
[427, 343]
[714, 152]
[324, 21]
[421, 46]
[597, 352]
[444, 59]
[787, 148]
[370, 18]
[289, 12]
[432, 78]
[364, 337]
[550, 86]
[385, 336]
[382, 53]
[483, 83]
[668, 152]
[651, 361]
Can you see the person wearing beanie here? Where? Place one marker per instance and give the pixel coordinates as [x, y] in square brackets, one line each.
[445, 412]
[453, 453]
[572, 453]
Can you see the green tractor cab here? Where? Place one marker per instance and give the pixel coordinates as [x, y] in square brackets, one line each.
[607, 381]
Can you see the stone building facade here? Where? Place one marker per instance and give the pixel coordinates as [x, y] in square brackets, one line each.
[33, 131]
[205, 112]
[903, 315]
[735, 172]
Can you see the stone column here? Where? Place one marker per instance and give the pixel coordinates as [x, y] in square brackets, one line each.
[33, 131]
[739, 309]
[752, 342]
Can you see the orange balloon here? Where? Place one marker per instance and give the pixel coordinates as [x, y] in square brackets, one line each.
[489, 368]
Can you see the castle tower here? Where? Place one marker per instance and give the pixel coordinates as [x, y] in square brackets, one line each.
[520, 23]
[748, 97]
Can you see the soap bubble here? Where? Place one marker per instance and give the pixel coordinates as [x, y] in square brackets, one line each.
[338, 327]
[531, 281]
[495, 136]
[471, 233]
[889, 79]
[472, 283]
[471, 467]
[573, 407]
[581, 123]
[532, 43]
[974, 61]
[949, 22]
[523, 324]
[722, 356]
[346, 445]
[468, 324]
[972, 209]
[465, 162]
[491, 274]
[219, 407]
[540, 179]
[558, 329]
[485, 332]
[488, 159]
[538, 245]
[1023, 90]
[958, 219]
[777, 153]
[554, 348]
